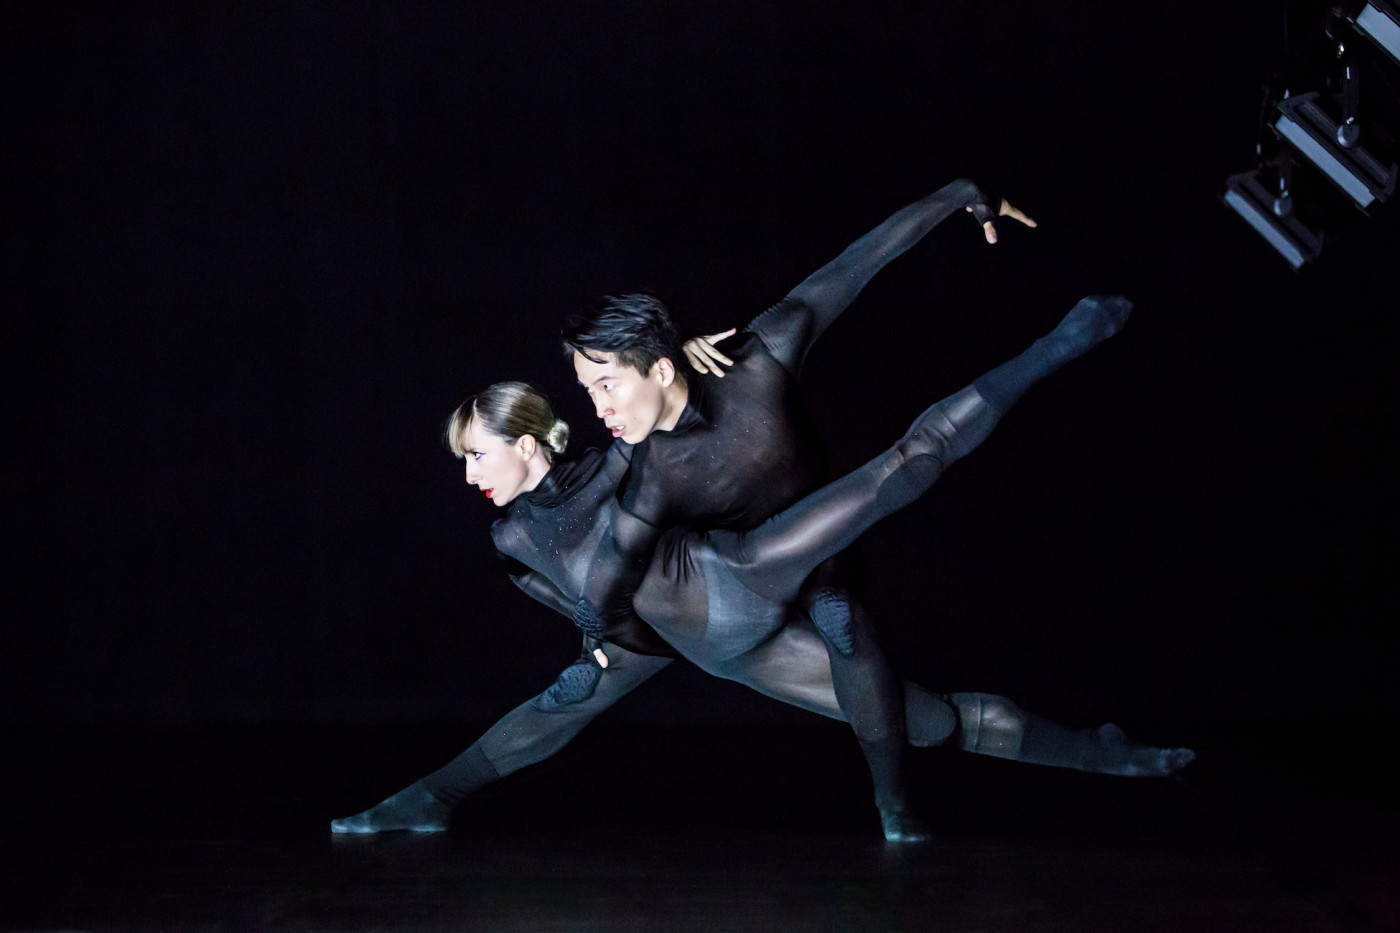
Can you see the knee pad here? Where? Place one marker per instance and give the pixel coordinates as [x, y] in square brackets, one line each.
[944, 433]
[831, 614]
[574, 685]
[588, 619]
[991, 724]
[916, 473]
[928, 719]
[971, 419]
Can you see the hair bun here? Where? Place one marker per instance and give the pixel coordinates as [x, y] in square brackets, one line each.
[558, 437]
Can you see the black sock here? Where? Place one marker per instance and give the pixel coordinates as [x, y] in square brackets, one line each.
[1090, 322]
[468, 772]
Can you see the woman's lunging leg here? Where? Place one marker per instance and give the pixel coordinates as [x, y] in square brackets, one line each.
[530, 733]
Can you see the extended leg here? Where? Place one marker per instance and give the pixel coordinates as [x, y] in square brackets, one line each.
[1089, 323]
[772, 558]
[794, 667]
[993, 725]
[527, 734]
[775, 558]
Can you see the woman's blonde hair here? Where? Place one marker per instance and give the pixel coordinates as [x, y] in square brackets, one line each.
[509, 410]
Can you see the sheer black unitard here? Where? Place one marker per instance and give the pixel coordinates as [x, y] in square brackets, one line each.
[745, 448]
[551, 534]
[697, 580]
[790, 662]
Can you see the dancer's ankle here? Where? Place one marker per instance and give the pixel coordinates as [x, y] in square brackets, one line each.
[413, 809]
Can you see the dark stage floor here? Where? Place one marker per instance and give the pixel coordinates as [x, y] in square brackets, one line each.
[698, 831]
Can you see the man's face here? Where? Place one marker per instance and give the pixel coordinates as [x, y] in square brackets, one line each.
[629, 403]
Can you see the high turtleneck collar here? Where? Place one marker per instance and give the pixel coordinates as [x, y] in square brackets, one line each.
[693, 413]
[562, 479]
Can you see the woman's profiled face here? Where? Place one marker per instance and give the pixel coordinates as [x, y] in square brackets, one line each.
[495, 465]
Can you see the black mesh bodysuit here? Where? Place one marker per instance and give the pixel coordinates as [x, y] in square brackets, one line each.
[551, 532]
[745, 448]
[721, 596]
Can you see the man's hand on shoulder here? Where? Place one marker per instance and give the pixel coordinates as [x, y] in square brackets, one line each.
[703, 356]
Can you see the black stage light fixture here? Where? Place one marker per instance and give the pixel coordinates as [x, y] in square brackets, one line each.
[1271, 215]
[1379, 21]
[1325, 131]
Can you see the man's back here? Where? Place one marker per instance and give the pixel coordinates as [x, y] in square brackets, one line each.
[744, 448]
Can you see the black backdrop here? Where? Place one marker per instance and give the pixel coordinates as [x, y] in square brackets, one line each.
[255, 256]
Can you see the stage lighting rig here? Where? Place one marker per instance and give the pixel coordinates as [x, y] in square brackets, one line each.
[1330, 132]
[1379, 21]
[1326, 131]
[1271, 213]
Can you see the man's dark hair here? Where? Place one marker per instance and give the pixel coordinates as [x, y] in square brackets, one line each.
[637, 329]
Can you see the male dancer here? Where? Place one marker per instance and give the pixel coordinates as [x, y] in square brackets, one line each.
[730, 454]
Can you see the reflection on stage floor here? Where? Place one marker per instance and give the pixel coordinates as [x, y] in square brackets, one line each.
[709, 831]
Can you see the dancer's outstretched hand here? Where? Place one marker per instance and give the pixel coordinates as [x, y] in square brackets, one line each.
[986, 216]
[595, 645]
[703, 356]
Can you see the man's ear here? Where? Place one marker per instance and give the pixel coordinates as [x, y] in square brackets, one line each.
[665, 370]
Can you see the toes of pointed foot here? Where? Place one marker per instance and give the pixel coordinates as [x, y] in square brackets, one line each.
[1111, 734]
[903, 828]
[906, 837]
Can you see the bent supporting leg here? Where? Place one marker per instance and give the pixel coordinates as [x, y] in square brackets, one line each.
[799, 666]
[993, 725]
[871, 697]
[527, 734]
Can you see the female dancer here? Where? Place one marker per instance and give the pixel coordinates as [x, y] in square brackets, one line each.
[722, 598]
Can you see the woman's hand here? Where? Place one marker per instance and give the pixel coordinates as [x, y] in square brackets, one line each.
[703, 356]
[985, 215]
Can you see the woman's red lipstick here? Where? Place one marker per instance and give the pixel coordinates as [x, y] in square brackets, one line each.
[488, 492]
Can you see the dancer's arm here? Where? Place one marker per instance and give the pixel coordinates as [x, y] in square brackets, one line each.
[614, 575]
[790, 327]
[540, 588]
[537, 586]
